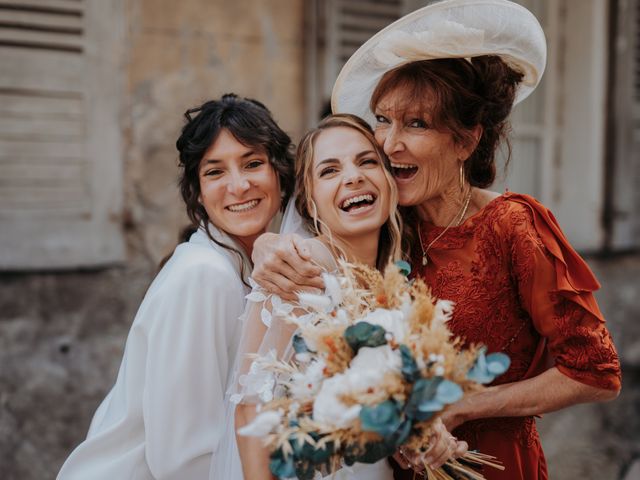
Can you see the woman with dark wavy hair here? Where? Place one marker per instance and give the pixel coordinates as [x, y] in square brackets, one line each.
[163, 418]
[438, 86]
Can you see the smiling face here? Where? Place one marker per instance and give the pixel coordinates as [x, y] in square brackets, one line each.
[425, 161]
[349, 187]
[239, 188]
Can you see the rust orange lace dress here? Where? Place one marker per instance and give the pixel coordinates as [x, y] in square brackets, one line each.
[519, 288]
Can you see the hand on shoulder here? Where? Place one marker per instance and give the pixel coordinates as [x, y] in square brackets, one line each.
[283, 264]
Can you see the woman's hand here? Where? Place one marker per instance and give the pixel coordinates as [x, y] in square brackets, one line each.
[282, 265]
[442, 447]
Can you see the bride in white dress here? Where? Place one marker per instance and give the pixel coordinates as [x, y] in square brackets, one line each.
[348, 198]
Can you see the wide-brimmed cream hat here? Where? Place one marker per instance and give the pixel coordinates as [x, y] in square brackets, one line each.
[447, 29]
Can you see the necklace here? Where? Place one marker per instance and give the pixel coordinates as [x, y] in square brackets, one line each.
[459, 217]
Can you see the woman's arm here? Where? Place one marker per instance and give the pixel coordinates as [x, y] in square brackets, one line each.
[253, 454]
[555, 288]
[547, 392]
[283, 265]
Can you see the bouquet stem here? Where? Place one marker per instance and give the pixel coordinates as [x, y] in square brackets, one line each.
[468, 472]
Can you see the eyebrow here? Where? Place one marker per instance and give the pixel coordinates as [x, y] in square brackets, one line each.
[247, 154]
[335, 160]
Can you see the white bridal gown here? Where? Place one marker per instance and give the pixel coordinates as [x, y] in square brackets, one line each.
[164, 417]
[258, 337]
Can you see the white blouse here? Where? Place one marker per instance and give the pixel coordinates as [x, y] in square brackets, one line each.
[163, 419]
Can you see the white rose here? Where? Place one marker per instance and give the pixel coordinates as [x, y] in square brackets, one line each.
[370, 365]
[327, 407]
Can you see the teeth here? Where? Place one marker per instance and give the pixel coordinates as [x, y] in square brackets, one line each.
[402, 165]
[241, 207]
[357, 199]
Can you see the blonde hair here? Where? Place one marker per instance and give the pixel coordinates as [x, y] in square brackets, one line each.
[389, 248]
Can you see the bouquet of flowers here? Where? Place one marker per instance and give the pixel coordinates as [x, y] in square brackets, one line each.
[374, 364]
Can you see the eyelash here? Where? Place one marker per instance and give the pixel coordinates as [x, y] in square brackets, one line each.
[330, 170]
[327, 171]
[420, 123]
[415, 123]
[253, 164]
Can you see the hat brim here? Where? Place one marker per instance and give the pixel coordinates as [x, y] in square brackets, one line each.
[447, 29]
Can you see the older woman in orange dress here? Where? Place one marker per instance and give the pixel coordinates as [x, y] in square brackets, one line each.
[438, 87]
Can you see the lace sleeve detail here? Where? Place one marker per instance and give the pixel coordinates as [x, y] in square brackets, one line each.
[562, 311]
[267, 334]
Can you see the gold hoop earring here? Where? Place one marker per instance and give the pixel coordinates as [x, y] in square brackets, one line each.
[462, 176]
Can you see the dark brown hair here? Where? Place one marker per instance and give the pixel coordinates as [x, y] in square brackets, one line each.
[459, 95]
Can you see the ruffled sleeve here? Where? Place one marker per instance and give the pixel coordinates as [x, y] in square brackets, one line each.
[556, 288]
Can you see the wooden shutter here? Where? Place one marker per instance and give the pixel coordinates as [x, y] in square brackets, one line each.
[353, 22]
[559, 131]
[335, 29]
[534, 131]
[625, 129]
[60, 158]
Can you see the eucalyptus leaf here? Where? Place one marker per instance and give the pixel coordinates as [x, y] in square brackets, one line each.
[498, 363]
[301, 450]
[374, 452]
[305, 470]
[404, 267]
[401, 434]
[410, 370]
[364, 334]
[430, 406]
[299, 345]
[281, 466]
[323, 454]
[488, 367]
[383, 418]
[448, 392]
[422, 401]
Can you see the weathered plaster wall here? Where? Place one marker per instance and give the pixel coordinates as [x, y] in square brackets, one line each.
[183, 53]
